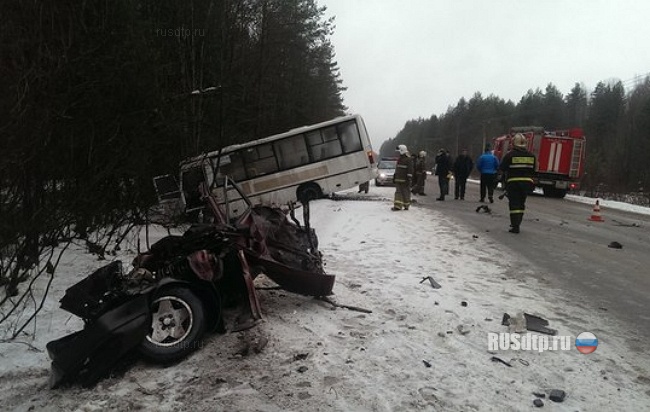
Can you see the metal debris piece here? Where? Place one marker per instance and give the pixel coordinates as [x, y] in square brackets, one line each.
[557, 395]
[619, 223]
[338, 305]
[434, 284]
[300, 356]
[496, 359]
[526, 321]
[537, 324]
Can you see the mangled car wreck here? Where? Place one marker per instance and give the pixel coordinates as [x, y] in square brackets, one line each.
[176, 291]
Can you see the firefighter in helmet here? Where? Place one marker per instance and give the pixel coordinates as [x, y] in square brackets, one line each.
[518, 167]
[402, 178]
[420, 174]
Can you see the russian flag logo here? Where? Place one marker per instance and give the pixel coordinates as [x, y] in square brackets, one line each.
[586, 342]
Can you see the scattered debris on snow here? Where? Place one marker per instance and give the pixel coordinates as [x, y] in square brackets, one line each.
[615, 245]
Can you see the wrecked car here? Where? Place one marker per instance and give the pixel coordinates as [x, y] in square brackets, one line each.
[177, 290]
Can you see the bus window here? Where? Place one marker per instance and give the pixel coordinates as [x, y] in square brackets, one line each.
[260, 160]
[324, 143]
[231, 165]
[350, 137]
[292, 152]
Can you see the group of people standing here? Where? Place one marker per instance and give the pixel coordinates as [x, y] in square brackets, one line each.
[516, 170]
[461, 168]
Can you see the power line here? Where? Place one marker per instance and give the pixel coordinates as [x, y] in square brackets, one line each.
[634, 80]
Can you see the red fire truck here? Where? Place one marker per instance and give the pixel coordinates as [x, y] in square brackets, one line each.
[560, 156]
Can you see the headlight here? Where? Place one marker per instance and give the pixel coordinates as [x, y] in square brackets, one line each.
[382, 175]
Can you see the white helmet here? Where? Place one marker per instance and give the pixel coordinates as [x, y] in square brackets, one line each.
[423, 153]
[519, 140]
[402, 149]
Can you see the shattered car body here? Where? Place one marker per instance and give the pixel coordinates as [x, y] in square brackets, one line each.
[177, 290]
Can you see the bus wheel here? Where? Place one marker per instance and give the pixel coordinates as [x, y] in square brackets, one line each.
[309, 192]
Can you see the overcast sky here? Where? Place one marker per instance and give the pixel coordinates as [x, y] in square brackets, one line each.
[405, 59]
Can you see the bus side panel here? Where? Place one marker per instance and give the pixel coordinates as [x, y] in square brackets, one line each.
[343, 172]
[291, 177]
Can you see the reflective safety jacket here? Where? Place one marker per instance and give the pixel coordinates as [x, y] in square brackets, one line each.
[404, 169]
[518, 165]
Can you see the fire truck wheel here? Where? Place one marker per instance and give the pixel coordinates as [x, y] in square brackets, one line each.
[553, 192]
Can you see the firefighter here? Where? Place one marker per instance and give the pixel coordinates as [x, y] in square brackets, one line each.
[402, 178]
[518, 167]
[420, 172]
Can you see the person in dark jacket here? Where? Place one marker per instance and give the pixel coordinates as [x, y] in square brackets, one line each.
[364, 187]
[518, 167]
[450, 161]
[462, 169]
[402, 178]
[488, 165]
[420, 174]
[443, 167]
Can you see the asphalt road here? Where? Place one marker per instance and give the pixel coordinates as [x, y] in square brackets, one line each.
[572, 251]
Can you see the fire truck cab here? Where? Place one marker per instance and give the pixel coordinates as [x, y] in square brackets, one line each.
[560, 157]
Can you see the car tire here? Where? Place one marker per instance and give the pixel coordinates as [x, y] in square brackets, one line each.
[177, 325]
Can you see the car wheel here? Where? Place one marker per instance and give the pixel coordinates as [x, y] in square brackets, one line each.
[177, 325]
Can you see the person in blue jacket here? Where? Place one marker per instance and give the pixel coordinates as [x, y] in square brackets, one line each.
[488, 165]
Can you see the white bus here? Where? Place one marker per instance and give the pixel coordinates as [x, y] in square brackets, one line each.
[300, 165]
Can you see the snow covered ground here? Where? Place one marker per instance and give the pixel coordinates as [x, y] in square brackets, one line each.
[420, 349]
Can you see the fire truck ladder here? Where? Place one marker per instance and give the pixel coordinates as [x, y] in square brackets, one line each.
[576, 155]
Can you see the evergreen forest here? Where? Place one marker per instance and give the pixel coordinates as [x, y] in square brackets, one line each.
[98, 97]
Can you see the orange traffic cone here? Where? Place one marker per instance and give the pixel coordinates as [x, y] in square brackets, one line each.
[595, 215]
